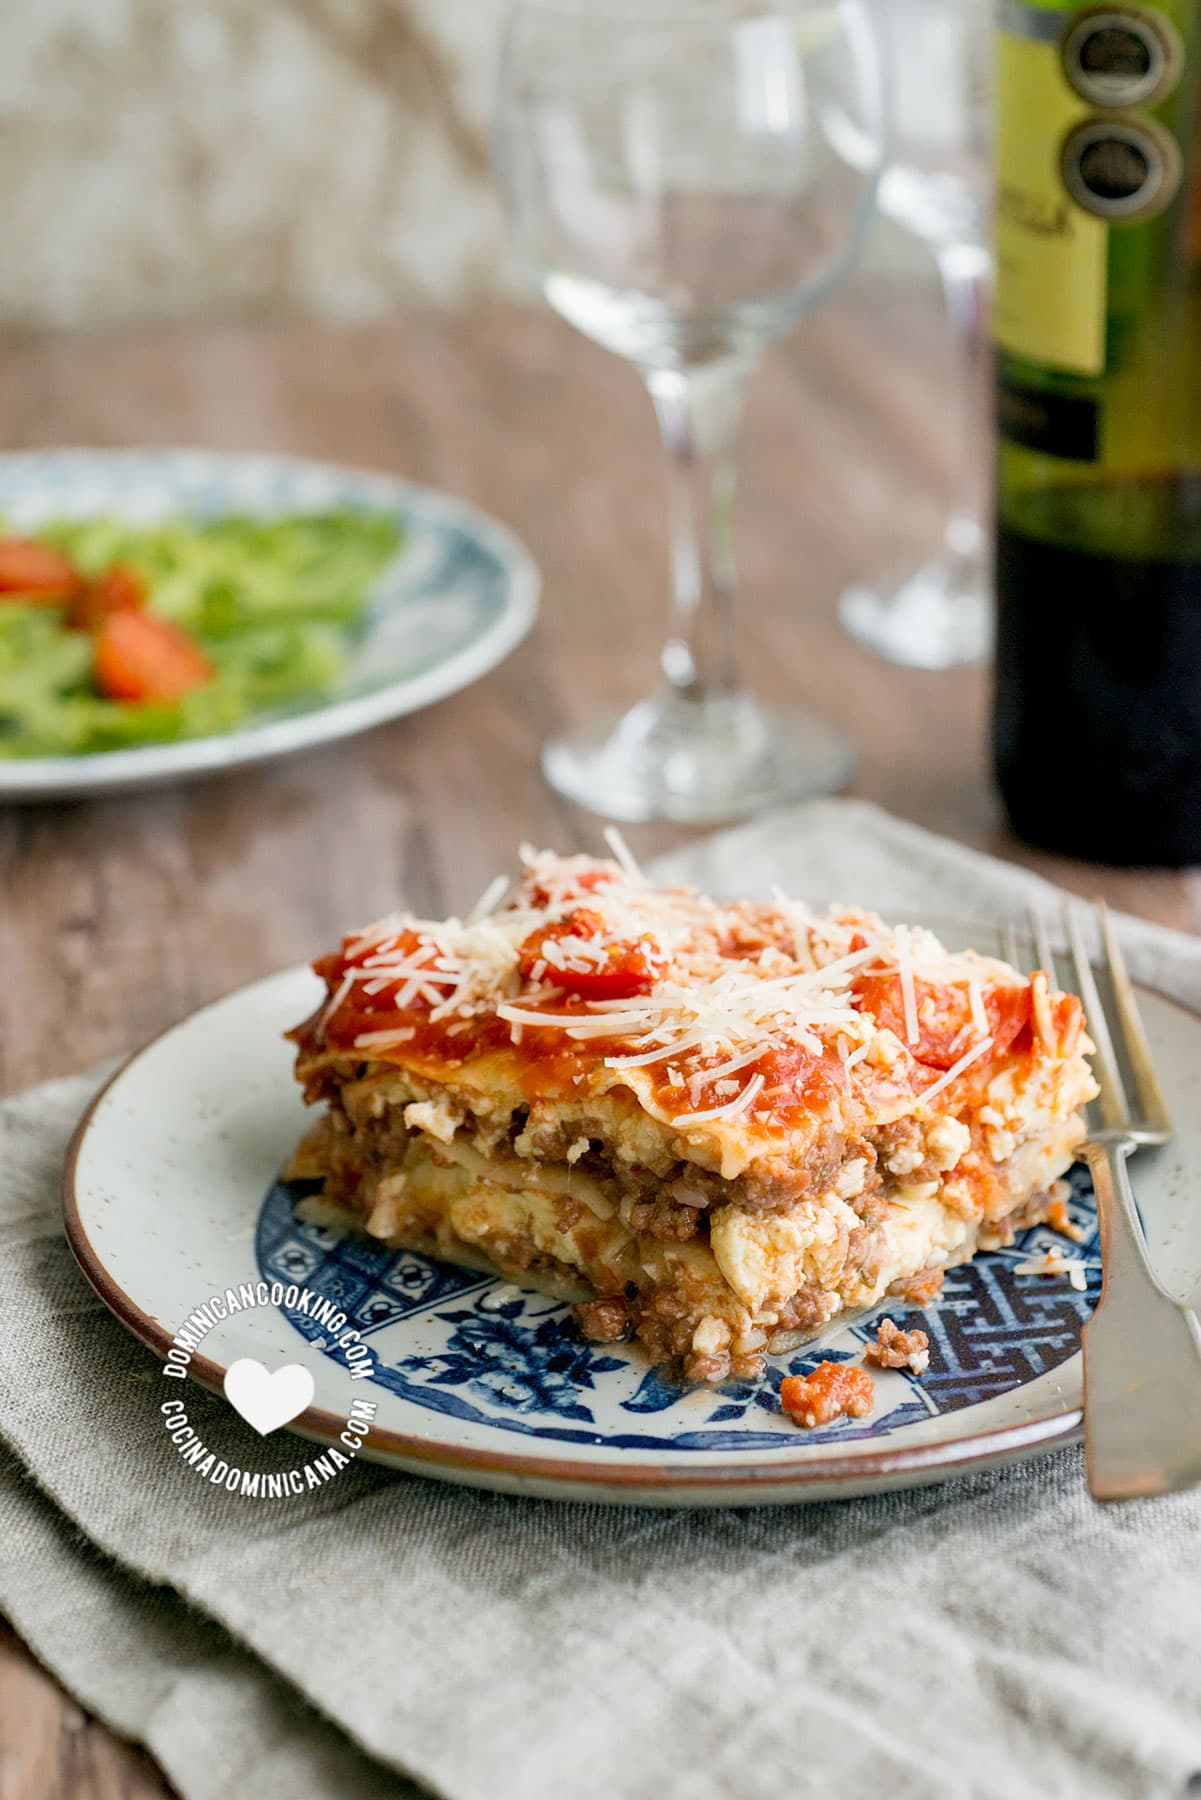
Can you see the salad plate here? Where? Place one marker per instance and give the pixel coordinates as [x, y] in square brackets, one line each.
[457, 596]
[172, 1193]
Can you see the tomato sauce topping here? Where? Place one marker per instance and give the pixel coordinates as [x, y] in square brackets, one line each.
[796, 1081]
[548, 1059]
[577, 963]
[571, 954]
[946, 1028]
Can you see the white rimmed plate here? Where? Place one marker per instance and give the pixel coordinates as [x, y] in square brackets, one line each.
[460, 595]
[171, 1194]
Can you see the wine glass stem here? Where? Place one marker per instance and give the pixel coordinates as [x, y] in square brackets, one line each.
[699, 412]
[965, 272]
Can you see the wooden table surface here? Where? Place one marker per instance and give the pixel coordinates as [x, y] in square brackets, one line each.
[120, 916]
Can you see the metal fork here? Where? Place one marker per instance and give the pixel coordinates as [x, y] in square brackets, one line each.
[1142, 1348]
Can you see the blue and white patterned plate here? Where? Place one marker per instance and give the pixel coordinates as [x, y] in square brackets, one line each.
[172, 1195]
[460, 595]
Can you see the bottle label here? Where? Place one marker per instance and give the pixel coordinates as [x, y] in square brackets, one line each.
[1051, 255]
[1053, 424]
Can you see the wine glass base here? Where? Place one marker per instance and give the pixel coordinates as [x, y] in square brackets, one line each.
[936, 617]
[697, 762]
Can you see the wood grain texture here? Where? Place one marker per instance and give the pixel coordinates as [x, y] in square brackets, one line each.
[51, 1750]
[120, 916]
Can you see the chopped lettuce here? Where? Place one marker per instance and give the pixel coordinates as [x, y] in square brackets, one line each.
[274, 603]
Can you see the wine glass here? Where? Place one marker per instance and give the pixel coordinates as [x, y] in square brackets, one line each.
[936, 187]
[686, 178]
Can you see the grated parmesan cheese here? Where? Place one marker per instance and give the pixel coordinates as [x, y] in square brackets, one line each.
[333, 1003]
[623, 855]
[1054, 1262]
[955, 1070]
[908, 991]
[976, 1002]
[490, 899]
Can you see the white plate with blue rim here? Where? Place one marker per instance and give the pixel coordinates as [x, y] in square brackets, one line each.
[460, 594]
[172, 1194]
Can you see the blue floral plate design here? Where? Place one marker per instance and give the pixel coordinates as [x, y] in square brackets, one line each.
[172, 1195]
[460, 595]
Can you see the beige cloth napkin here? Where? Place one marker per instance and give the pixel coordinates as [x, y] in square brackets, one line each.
[998, 1636]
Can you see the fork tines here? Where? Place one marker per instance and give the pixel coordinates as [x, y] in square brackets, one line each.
[1120, 1025]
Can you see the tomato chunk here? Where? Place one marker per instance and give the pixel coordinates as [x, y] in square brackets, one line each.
[119, 589]
[946, 1028]
[140, 657]
[572, 954]
[832, 1391]
[36, 571]
[587, 880]
[1008, 1012]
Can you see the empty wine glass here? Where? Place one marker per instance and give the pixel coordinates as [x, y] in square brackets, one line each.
[686, 178]
[936, 187]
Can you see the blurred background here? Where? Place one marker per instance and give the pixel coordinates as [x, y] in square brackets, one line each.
[251, 155]
[278, 157]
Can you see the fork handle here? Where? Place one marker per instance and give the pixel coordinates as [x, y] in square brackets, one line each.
[1142, 1356]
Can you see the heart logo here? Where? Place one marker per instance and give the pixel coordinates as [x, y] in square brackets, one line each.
[266, 1398]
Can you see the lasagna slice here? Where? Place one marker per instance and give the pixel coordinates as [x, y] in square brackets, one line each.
[713, 1126]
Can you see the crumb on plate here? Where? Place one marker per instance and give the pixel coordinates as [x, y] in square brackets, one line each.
[897, 1349]
[833, 1390]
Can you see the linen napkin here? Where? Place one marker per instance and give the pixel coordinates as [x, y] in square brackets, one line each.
[997, 1636]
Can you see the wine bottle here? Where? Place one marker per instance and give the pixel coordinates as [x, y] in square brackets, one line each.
[1097, 721]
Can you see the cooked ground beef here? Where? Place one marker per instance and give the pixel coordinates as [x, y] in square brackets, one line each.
[757, 1191]
[569, 1211]
[1031, 1212]
[663, 1218]
[921, 1288]
[664, 1322]
[874, 1198]
[903, 1156]
[719, 1365]
[712, 1368]
[900, 1142]
[605, 1321]
[547, 1139]
[897, 1349]
[746, 1368]
[807, 1310]
[666, 1333]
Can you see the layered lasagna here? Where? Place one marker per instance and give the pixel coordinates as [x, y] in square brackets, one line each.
[714, 1126]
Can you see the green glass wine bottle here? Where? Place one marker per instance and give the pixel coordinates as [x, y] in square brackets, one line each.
[1097, 720]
